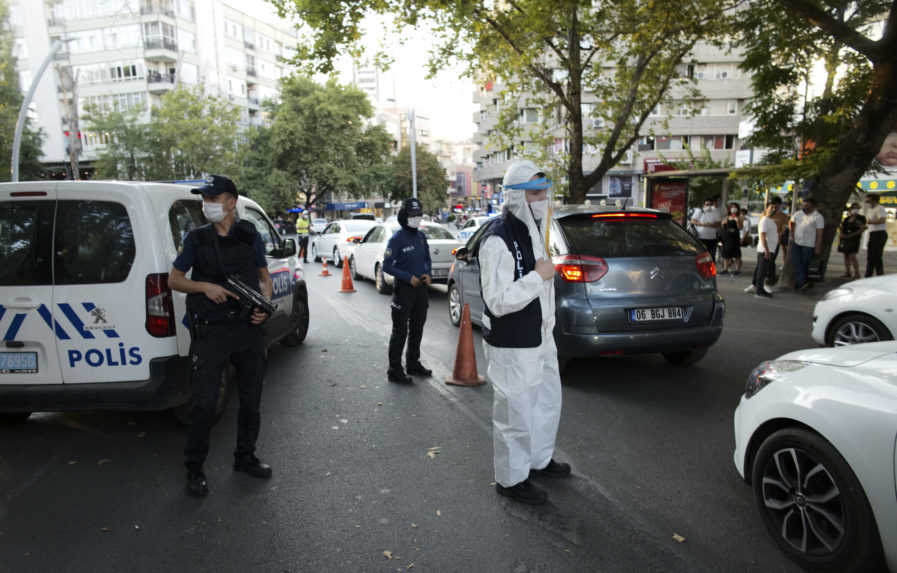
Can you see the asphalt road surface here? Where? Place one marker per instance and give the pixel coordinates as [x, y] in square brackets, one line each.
[354, 488]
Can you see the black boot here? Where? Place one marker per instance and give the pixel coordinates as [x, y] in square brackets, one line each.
[524, 492]
[418, 369]
[254, 467]
[197, 486]
[398, 376]
[553, 470]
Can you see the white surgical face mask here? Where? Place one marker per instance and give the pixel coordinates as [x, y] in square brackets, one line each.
[214, 212]
[708, 208]
[414, 222]
[540, 209]
[854, 211]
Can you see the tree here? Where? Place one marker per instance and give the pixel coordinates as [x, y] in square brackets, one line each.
[10, 103]
[432, 185]
[127, 137]
[629, 53]
[830, 140]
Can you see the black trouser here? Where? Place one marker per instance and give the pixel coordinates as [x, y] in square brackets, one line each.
[409, 305]
[874, 252]
[711, 246]
[762, 270]
[772, 275]
[303, 247]
[244, 346]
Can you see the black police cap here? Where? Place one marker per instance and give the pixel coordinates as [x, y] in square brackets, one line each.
[413, 207]
[215, 185]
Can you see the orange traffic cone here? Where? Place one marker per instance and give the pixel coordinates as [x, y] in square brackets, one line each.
[347, 285]
[465, 373]
[324, 271]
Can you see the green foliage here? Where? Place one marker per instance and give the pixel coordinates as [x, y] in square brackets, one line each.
[547, 54]
[128, 137]
[432, 184]
[10, 103]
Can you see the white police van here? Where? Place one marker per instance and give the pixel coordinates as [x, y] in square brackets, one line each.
[86, 316]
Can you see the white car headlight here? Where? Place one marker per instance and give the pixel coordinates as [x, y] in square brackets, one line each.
[769, 371]
[837, 293]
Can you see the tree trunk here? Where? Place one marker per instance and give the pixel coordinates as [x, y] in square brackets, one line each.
[574, 93]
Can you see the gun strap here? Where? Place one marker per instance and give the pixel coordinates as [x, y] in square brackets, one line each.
[218, 252]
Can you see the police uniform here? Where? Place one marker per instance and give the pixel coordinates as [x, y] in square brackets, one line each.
[302, 231]
[407, 255]
[220, 336]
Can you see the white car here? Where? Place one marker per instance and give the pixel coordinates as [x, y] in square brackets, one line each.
[815, 436]
[859, 311]
[337, 238]
[366, 259]
[317, 225]
[470, 227]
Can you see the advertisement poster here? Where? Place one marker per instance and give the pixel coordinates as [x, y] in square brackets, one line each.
[671, 196]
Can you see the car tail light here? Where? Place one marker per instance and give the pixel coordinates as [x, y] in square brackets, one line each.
[159, 306]
[353, 239]
[28, 194]
[580, 269]
[706, 267]
[625, 215]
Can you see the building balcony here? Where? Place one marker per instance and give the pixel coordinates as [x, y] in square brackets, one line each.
[161, 49]
[248, 45]
[253, 102]
[145, 10]
[251, 72]
[158, 83]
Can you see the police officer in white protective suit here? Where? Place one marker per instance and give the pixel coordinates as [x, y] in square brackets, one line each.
[516, 278]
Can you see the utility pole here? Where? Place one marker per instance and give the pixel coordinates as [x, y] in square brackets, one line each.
[74, 128]
[413, 153]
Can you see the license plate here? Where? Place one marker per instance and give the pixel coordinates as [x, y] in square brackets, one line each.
[439, 273]
[18, 362]
[661, 313]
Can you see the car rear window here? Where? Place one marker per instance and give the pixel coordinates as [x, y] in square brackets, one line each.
[627, 237]
[436, 233]
[94, 243]
[357, 226]
[26, 230]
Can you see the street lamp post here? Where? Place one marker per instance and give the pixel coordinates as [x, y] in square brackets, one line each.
[413, 153]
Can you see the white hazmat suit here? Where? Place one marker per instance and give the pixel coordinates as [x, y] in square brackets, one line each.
[526, 407]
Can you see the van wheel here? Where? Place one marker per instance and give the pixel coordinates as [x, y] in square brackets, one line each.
[299, 320]
[380, 281]
[685, 357]
[13, 418]
[226, 388]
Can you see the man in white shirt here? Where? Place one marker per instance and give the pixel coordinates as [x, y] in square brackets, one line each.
[876, 217]
[806, 231]
[766, 247]
[708, 224]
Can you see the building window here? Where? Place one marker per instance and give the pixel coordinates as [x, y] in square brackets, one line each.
[732, 107]
[646, 143]
[730, 142]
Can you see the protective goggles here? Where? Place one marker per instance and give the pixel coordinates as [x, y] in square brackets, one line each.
[535, 184]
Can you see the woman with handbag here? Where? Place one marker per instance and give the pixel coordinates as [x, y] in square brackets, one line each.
[731, 228]
[852, 228]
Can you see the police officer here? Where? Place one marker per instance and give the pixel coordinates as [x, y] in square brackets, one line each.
[302, 231]
[224, 247]
[407, 259]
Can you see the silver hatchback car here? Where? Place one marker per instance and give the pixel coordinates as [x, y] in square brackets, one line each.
[627, 282]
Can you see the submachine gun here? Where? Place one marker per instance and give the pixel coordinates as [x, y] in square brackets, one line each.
[249, 298]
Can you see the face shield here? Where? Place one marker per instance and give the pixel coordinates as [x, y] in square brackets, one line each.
[534, 184]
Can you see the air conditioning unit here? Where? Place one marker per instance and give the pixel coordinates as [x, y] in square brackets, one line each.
[597, 122]
[627, 157]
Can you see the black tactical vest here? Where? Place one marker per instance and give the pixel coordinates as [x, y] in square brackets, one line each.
[217, 258]
[521, 329]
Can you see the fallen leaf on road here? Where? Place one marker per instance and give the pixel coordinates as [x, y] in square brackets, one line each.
[323, 350]
[363, 386]
[105, 529]
[343, 421]
[103, 461]
[141, 435]
[678, 538]
[438, 513]
[491, 484]
[379, 403]
[411, 566]
[137, 526]
[413, 525]
[73, 462]
[387, 554]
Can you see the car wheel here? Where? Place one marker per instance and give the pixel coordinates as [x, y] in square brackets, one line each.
[314, 253]
[855, 329]
[354, 269]
[336, 260]
[812, 503]
[455, 307]
[299, 320]
[225, 389]
[13, 418]
[685, 357]
[380, 281]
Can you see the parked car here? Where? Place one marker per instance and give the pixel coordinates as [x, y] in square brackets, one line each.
[814, 437]
[317, 225]
[470, 226]
[363, 216]
[336, 239]
[859, 311]
[627, 282]
[366, 259]
[88, 317]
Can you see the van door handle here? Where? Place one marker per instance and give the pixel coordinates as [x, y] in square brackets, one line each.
[23, 302]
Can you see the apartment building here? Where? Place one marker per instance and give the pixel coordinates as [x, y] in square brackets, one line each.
[714, 128]
[124, 53]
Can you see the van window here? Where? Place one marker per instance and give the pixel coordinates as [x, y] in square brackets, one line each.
[269, 235]
[184, 216]
[94, 243]
[659, 237]
[26, 231]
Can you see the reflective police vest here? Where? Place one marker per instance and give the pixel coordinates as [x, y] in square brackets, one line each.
[521, 329]
[217, 258]
[301, 226]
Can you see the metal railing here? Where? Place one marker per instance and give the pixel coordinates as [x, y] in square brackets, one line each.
[157, 78]
[251, 72]
[157, 10]
[160, 44]
[248, 45]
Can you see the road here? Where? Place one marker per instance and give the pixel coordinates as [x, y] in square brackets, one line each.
[651, 447]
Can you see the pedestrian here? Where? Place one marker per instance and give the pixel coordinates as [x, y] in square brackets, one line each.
[731, 233]
[806, 240]
[223, 248]
[747, 238]
[773, 212]
[516, 280]
[407, 259]
[768, 242]
[852, 228]
[876, 218]
[302, 226]
[781, 220]
[707, 222]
